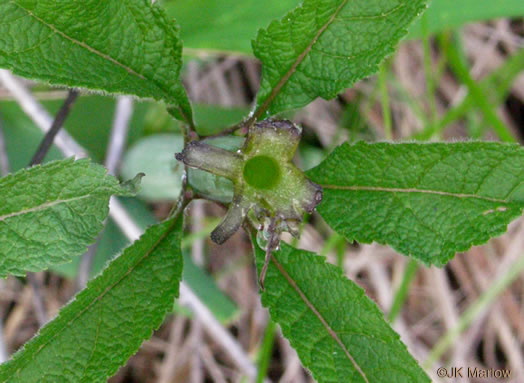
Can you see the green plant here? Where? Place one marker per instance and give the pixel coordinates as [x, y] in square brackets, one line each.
[428, 201]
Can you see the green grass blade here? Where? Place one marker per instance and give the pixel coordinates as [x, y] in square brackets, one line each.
[480, 99]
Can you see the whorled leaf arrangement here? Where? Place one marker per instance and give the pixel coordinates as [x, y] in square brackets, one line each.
[428, 201]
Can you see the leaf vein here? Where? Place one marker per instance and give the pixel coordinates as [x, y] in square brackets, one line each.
[414, 190]
[81, 43]
[296, 63]
[104, 292]
[331, 332]
[44, 206]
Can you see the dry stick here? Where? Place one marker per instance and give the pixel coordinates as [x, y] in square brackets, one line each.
[57, 124]
[39, 115]
[128, 226]
[218, 332]
[211, 365]
[85, 266]
[38, 299]
[123, 113]
[166, 371]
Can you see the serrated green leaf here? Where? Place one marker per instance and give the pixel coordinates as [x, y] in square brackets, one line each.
[111, 242]
[324, 46]
[340, 335]
[128, 47]
[106, 323]
[51, 213]
[425, 200]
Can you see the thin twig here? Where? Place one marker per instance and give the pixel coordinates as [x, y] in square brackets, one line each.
[36, 112]
[86, 265]
[3, 352]
[166, 371]
[57, 124]
[197, 254]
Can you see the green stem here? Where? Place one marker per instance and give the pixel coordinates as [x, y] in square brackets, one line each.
[266, 351]
[402, 293]
[475, 310]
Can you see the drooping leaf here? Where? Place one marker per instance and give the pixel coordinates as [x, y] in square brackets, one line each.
[447, 14]
[51, 213]
[324, 46]
[425, 200]
[338, 332]
[115, 46]
[107, 322]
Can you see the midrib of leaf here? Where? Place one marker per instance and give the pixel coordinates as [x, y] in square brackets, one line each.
[103, 293]
[276, 90]
[414, 190]
[310, 305]
[81, 43]
[43, 206]
[101, 54]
